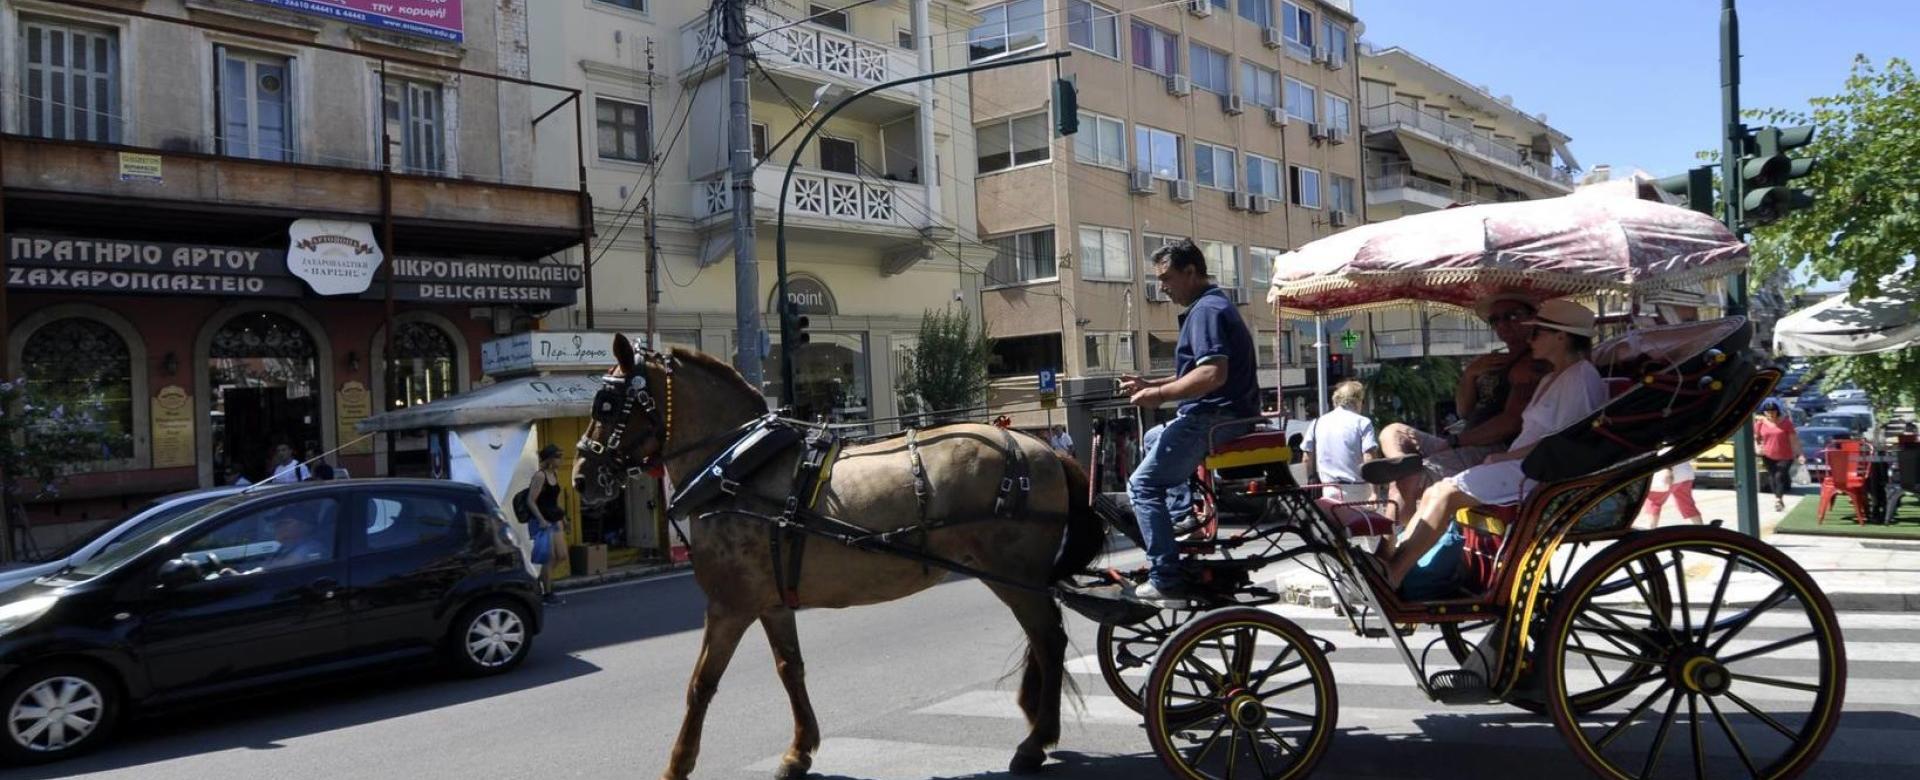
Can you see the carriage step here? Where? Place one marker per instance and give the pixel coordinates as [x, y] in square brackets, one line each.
[1459, 686]
[1380, 632]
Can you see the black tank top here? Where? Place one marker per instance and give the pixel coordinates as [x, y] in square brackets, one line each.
[549, 503]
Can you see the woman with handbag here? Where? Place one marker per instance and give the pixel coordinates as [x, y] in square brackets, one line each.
[548, 523]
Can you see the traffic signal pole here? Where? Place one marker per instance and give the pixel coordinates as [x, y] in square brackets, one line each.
[1732, 150]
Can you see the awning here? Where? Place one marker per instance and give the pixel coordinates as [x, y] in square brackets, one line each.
[1841, 326]
[1429, 159]
[514, 400]
[1472, 166]
[1560, 147]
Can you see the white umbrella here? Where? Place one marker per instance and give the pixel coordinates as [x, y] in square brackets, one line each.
[1839, 326]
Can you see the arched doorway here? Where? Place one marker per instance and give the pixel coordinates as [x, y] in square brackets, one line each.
[85, 365]
[263, 380]
[421, 368]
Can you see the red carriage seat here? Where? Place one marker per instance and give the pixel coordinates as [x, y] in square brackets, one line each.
[1253, 449]
[1360, 521]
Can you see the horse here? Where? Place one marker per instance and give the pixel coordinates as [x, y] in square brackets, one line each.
[677, 411]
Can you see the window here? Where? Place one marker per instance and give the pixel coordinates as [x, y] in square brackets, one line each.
[839, 155]
[1297, 24]
[1212, 70]
[1305, 183]
[903, 38]
[404, 520]
[1158, 151]
[1340, 115]
[1260, 261]
[282, 536]
[1258, 85]
[84, 365]
[626, 131]
[1263, 176]
[1103, 254]
[255, 105]
[1101, 141]
[637, 5]
[1109, 351]
[72, 82]
[1022, 257]
[1260, 12]
[1213, 166]
[1008, 28]
[1155, 49]
[1223, 263]
[1151, 243]
[828, 16]
[1094, 28]
[1160, 348]
[1300, 99]
[1012, 142]
[759, 132]
[1341, 194]
[1336, 39]
[416, 116]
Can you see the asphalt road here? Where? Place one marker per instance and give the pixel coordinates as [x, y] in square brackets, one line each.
[914, 689]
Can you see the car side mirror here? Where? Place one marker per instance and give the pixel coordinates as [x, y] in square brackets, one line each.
[178, 572]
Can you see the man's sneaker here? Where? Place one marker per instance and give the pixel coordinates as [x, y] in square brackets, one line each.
[1188, 524]
[1164, 596]
[1388, 470]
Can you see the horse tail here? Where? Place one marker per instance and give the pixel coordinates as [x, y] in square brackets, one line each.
[1086, 531]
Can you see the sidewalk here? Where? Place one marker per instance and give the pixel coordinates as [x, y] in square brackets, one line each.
[616, 574]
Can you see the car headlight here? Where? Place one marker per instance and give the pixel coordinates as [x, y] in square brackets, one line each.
[15, 614]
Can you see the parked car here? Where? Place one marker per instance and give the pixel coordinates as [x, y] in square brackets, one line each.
[1715, 467]
[1858, 419]
[1813, 400]
[257, 589]
[1813, 446]
[1848, 395]
[107, 536]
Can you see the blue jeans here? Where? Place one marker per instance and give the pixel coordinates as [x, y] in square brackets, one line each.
[1159, 488]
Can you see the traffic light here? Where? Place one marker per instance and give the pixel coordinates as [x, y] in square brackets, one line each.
[1695, 185]
[1336, 366]
[1066, 107]
[797, 325]
[1766, 170]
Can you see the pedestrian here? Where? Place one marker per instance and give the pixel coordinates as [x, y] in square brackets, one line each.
[1675, 482]
[1779, 445]
[317, 463]
[1061, 440]
[286, 468]
[549, 520]
[1337, 441]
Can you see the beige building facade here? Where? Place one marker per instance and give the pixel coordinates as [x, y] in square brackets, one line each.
[1235, 124]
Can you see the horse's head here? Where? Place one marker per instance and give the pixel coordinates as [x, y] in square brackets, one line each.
[629, 424]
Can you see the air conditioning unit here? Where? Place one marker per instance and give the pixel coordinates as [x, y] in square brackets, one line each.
[1232, 104]
[1272, 37]
[1259, 204]
[1336, 136]
[1140, 182]
[1182, 191]
[1337, 61]
[1316, 132]
[1200, 8]
[1238, 201]
[1320, 54]
[1337, 218]
[1276, 116]
[1157, 293]
[1179, 85]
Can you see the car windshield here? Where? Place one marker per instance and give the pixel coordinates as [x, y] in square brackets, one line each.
[66, 551]
[1815, 440]
[134, 544]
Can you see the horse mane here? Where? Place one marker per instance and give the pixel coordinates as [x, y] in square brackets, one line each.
[728, 376]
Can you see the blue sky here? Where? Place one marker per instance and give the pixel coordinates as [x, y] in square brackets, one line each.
[1637, 83]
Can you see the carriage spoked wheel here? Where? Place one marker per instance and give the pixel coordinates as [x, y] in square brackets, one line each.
[1126, 652]
[1240, 693]
[1742, 673]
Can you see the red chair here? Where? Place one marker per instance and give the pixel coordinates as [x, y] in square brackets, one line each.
[1846, 473]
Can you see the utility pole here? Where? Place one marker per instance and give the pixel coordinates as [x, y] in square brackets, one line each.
[1732, 149]
[653, 280]
[746, 274]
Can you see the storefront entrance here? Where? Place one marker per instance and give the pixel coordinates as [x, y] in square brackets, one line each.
[262, 375]
[830, 378]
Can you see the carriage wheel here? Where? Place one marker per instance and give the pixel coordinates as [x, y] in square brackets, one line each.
[1744, 672]
[1240, 693]
[1131, 648]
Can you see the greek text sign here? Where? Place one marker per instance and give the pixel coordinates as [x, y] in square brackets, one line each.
[562, 350]
[335, 258]
[432, 18]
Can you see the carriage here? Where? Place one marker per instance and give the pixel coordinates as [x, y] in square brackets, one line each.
[1635, 643]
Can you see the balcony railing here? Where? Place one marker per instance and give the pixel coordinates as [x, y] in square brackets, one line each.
[857, 201]
[1396, 115]
[1395, 181]
[805, 47]
[1405, 343]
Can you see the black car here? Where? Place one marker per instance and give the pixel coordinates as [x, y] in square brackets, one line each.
[261, 588]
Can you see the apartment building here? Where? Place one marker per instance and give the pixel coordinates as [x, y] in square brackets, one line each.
[1233, 123]
[880, 215]
[1433, 140]
[241, 223]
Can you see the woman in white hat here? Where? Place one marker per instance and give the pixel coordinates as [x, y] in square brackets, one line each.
[1562, 334]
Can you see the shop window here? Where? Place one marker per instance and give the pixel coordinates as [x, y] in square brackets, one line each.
[85, 366]
[71, 81]
[1024, 356]
[830, 378]
[264, 390]
[416, 124]
[255, 104]
[420, 370]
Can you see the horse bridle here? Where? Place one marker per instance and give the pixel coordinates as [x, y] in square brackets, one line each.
[613, 408]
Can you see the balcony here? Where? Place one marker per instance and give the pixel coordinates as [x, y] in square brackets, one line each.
[810, 56]
[1421, 194]
[824, 201]
[1397, 116]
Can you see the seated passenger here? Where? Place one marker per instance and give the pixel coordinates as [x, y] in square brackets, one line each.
[1493, 391]
[1561, 333]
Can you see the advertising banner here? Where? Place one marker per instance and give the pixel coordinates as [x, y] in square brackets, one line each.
[439, 19]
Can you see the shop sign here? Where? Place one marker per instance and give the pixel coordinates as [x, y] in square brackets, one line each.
[547, 351]
[808, 294]
[334, 258]
[171, 416]
[351, 405]
[135, 166]
[440, 19]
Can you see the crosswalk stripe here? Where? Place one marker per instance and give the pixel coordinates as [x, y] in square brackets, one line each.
[883, 759]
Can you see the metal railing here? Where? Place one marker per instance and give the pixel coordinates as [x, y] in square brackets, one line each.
[785, 45]
[1394, 181]
[1395, 115]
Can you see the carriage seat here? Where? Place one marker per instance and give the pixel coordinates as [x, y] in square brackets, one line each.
[1489, 518]
[1360, 521]
[1254, 449]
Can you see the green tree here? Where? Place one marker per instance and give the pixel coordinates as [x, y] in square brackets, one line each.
[1865, 219]
[947, 370]
[1406, 391]
[41, 443]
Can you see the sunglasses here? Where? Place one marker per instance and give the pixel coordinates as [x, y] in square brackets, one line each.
[1513, 316]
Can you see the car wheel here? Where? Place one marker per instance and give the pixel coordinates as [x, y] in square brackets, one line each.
[491, 637]
[57, 710]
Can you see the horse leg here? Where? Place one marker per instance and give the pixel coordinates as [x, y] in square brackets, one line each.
[1045, 672]
[722, 636]
[784, 636]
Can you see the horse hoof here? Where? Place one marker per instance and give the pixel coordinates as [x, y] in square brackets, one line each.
[1027, 763]
[793, 770]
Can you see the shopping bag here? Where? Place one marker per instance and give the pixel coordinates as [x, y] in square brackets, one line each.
[542, 542]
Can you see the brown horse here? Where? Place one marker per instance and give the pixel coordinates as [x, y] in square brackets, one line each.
[677, 411]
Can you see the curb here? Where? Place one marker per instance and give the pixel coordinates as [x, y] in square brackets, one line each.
[1875, 602]
[622, 574]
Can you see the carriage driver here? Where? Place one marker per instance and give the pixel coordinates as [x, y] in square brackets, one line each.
[1214, 382]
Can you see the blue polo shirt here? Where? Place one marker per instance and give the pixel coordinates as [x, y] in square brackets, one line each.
[1211, 330]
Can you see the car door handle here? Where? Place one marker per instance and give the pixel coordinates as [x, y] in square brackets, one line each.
[322, 589]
